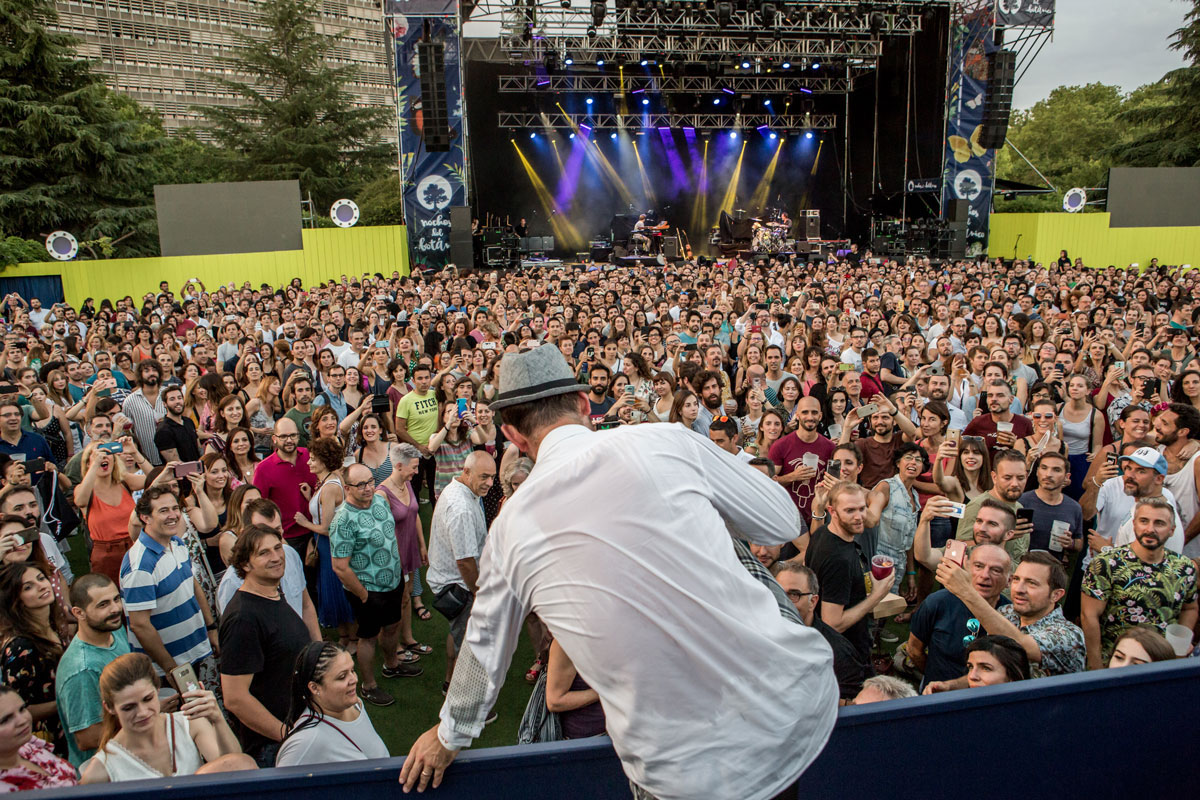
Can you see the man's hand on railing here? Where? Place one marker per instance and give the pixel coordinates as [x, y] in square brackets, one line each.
[426, 762]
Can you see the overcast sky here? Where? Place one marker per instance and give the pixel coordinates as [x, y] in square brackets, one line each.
[1121, 42]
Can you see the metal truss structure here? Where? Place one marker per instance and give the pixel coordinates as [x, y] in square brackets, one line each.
[609, 123]
[781, 83]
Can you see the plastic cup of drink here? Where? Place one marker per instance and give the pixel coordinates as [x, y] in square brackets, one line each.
[1004, 427]
[1180, 639]
[881, 567]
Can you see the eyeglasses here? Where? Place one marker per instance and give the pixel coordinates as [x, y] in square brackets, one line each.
[796, 596]
[972, 626]
[362, 484]
[286, 436]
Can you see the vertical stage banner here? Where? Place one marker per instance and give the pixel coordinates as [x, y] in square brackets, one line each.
[432, 181]
[969, 170]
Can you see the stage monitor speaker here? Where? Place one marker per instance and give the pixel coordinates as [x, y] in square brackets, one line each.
[957, 211]
[462, 245]
[545, 244]
[997, 106]
[812, 226]
[670, 247]
[434, 115]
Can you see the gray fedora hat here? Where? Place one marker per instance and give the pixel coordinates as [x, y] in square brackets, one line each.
[542, 372]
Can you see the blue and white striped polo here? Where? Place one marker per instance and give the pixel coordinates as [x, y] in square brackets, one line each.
[159, 580]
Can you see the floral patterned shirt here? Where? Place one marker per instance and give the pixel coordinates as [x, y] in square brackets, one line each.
[57, 772]
[1061, 642]
[32, 676]
[1136, 593]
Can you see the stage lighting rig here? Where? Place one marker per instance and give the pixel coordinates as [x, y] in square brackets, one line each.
[599, 9]
[724, 13]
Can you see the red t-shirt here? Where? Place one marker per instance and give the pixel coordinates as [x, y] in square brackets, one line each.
[280, 482]
[984, 425]
[871, 386]
[788, 455]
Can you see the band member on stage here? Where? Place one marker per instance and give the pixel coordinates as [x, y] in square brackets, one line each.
[639, 240]
[521, 228]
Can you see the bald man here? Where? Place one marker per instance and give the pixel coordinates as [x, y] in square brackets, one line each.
[456, 538]
[285, 478]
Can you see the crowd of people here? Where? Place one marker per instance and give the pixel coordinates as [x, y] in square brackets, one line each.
[995, 468]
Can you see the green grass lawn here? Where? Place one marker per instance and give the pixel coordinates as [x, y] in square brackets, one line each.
[419, 699]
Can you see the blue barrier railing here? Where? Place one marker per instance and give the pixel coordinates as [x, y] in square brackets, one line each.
[1123, 732]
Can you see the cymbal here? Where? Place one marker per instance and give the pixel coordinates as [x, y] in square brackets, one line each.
[756, 219]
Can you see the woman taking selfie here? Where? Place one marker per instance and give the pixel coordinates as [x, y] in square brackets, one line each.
[139, 741]
[327, 722]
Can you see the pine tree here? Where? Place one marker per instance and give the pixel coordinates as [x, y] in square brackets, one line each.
[296, 120]
[1170, 110]
[69, 157]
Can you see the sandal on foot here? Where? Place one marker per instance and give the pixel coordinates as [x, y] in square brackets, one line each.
[417, 647]
[423, 612]
[407, 656]
[531, 675]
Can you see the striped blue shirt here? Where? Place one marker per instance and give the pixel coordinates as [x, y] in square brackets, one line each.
[159, 580]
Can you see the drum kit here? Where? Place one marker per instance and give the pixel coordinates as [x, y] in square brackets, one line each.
[768, 236]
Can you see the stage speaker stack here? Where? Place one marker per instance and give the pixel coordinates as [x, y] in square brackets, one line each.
[997, 106]
[431, 57]
[812, 225]
[670, 247]
[462, 247]
[956, 225]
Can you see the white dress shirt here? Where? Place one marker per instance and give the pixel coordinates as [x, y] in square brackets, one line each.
[619, 541]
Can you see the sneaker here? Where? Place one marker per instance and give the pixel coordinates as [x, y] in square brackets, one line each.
[424, 501]
[490, 718]
[888, 636]
[445, 688]
[402, 670]
[376, 696]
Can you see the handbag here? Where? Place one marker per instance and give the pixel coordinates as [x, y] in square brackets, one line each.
[451, 600]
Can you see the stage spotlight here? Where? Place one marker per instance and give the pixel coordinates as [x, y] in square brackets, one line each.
[724, 13]
[645, 62]
[786, 65]
[613, 135]
[733, 134]
[588, 101]
[816, 65]
[772, 135]
[568, 61]
[599, 9]
[808, 135]
[745, 64]
[599, 62]
[591, 31]
[565, 3]
[716, 101]
[645, 101]
[767, 102]
[533, 135]
[768, 12]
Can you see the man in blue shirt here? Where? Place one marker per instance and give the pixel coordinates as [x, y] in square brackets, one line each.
[333, 395]
[942, 627]
[96, 605]
[18, 442]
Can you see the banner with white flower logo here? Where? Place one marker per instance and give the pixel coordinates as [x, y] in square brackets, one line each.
[432, 181]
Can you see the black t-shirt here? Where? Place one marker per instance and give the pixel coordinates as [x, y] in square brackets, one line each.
[171, 435]
[261, 637]
[841, 567]
[598, 410]
[849, 669]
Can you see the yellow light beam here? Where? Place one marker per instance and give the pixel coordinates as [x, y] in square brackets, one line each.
[758, 200]
[731, 190]
[647, 188]
[700, 206]
[565, 232]
[811, 175]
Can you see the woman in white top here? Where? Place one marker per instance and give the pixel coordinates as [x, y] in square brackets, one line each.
[327, 722]
[139, 741]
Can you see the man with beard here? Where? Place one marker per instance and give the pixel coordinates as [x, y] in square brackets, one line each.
[175, 437]
[1137, 583]
[994, 523]
[939, 389]
[96, 606]
[1009, 474]
[836, 556]
[1050, 506]
[145, 408]
[599, 401]
[1033, 620]
[1143, 473]
[801, 457]
[1000, 415]
[708, 386]
[1178, 429]
[879, 449]
[941, 624]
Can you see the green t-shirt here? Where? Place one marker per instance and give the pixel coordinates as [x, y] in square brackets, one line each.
[367, 536]
[420, 412]
[301, 419]
[77, 688]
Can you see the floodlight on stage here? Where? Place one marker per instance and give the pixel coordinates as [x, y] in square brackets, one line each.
[645, 101]
[816, 65]
[767, 102]
[644, 62]
[62, 246]
[533, 135]
[745, 64]
[612, 135]
[724, 13]
[344, 213]
[572, 136]
[568, 61]
[733, 134]
[588, 101]
[772, 135]
[599, 62]
[786, 65]
[599, 8]
[716, 101]
[808, 135]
